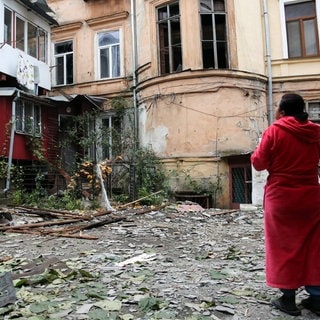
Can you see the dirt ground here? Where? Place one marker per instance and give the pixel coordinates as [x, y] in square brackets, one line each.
[178, 263]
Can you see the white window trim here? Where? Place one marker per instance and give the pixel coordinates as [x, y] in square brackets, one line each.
[14, 16]
[23, 120]
[64, 63]
[109, 117]
[282, 3]
[97, 53]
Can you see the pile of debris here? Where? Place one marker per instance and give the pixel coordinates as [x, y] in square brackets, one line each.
[53, 222]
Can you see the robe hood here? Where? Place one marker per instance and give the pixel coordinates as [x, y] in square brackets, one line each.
[306, 131]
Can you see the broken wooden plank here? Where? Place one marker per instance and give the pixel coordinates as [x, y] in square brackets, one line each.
[38, 224]
[65, 235]
[147, 210]
[223, 212]
[102, 223]
[78, 236]
[96, 224]
[53, 213]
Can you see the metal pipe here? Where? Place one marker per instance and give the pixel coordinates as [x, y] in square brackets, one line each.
[268, 57]
[13, 129]
[134, 93]
[134, 68]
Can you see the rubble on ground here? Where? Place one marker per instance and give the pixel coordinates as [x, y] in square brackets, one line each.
[178, 262]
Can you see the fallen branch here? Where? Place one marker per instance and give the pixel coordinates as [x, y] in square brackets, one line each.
[135, 201]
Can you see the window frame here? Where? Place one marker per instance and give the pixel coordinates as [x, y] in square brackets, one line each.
[167, 63]
[217, 62]
[31, 110]
[40, 47]
[8, 30]
[64, 55]
[111, 124]
[313, 115]
[112, 73]
[282, 4]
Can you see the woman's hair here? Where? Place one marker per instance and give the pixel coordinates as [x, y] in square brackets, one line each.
[293, 105]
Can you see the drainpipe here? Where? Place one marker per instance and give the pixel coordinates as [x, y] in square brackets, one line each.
[132, 186]
[268, 57]
[134, 67]
[13, 129]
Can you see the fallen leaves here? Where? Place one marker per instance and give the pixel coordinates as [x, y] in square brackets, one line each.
[78, 223]
[176, 265]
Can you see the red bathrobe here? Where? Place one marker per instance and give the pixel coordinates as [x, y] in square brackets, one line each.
[290, 151]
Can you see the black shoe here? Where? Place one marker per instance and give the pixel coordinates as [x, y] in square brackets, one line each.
[313, 304]
[287, 305]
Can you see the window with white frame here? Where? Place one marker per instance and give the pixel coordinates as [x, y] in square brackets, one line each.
[313, 109]
[214, 41]
[24, 35]
[169, 37]
[110, 131]
[301, 28]
[28, 117]
[63, 55]
[109, 54]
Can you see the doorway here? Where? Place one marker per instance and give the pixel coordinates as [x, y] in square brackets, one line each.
[240, 181]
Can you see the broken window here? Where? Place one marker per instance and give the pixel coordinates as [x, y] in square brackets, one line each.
[109, 54]
[214, 39]
[301, 26]
[170, 48]
[28, 117]
[63, 52]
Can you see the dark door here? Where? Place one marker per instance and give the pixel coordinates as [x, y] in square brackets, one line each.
[68, 148]
[240, 182]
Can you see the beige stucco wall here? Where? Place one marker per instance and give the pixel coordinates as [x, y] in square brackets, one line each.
[215, 116]
[249, 29]
[80, 21]
[191, 121]
[196, 118]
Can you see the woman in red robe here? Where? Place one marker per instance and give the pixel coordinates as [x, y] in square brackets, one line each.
[290, 151]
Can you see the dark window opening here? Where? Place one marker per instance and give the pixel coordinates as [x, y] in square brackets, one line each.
[170, 48]
[214, 34]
